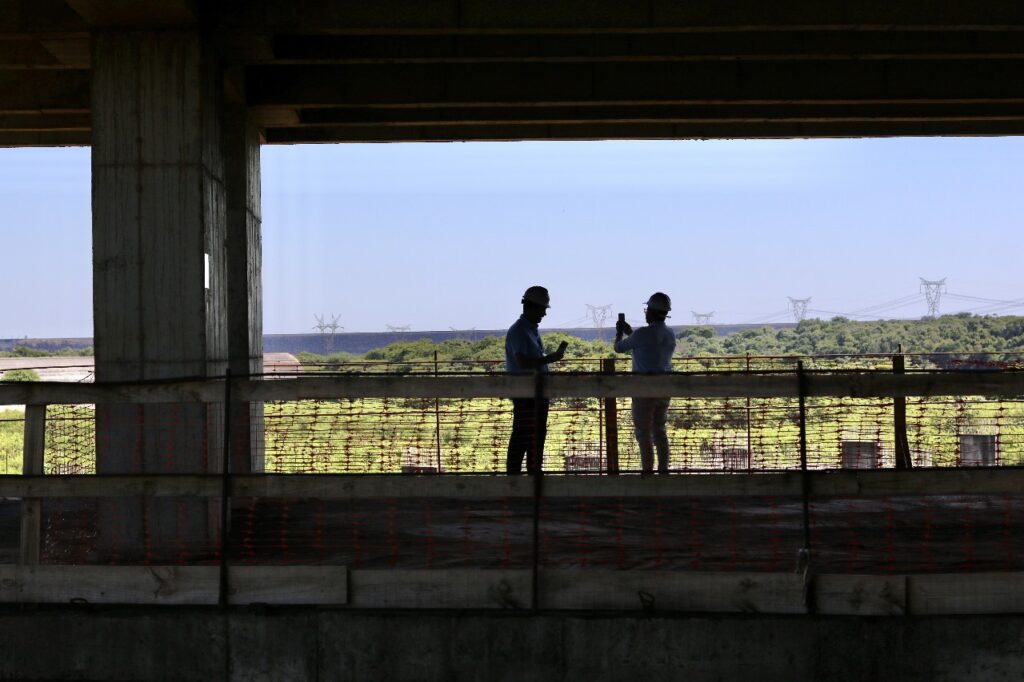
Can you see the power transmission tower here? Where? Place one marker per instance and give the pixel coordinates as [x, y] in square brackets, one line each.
[323, 326]
[933, 290]
[798, 306]
[599, 313]
[394, 328]
[702, 318]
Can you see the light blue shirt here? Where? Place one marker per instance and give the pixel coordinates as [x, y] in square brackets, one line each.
[523, 338]
[652, 348]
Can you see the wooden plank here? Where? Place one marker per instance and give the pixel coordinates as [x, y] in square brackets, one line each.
[884, 483]
[369, 386]
[972, 593]
[284, 585]
[173, 585]
[1009, 383]
[676, 485]
[111, 485]
[1006, 383]
[672, 591]
[889, 482]
[860, 595]
[380, 486]
[32, 465]
[440, 589]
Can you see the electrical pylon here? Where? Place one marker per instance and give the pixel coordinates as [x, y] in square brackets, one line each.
[933, 290]
[798, 306]
[702, 318]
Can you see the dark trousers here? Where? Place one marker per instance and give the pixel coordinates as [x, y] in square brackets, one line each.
[524, 438]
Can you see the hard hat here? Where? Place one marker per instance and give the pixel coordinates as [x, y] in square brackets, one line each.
[537, 295]
[659, 302]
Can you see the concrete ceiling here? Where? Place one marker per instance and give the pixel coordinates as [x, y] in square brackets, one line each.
[390, 70]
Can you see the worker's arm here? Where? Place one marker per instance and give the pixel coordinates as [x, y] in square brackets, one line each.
[623, 344]
[536, 363]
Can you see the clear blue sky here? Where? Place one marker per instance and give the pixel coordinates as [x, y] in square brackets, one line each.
[448, 235]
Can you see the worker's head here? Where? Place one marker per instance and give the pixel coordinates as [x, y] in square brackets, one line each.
[536, 303]
[658, 307]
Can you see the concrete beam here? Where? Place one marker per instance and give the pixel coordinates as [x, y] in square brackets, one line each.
[21, 18]
[44, 90]
[44, 122]
[641, 131]
[573, 47]
[694, 114]
[432, 85]
[404, 16]
[137, 14]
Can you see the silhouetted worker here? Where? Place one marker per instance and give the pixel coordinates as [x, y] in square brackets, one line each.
[524, 353]
[652, 348]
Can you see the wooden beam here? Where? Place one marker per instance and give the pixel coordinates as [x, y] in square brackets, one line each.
[661, 591]
[973, 593]
[173, 585]
[1005, 383]
[636, 83]
[670, 46]
[22, 18]
[440, 589]
[634, 16]
[832, 483]
[560, 589]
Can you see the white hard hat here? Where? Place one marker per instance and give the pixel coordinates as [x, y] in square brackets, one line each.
[537, 295]
[659, 302]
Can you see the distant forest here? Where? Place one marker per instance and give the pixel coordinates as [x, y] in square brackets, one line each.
[962, 333]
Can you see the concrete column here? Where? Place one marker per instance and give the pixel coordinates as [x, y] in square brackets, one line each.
[241, 144]
[160, 290]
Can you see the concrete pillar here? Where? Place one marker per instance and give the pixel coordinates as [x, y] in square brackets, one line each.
[160, 290]
[241, 144]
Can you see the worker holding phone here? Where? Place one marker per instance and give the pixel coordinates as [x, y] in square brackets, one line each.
[652, 347]
[524, 353]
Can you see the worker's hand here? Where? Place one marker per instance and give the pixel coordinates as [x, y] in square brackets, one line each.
[623, 328]
[560, 353]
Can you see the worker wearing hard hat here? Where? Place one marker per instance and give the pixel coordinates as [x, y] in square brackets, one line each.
[652, 348]
[524, 353]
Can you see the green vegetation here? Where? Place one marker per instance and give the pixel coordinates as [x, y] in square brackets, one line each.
[19, 375]
[30, 352]
[962, 333]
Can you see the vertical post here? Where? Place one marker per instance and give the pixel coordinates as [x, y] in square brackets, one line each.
[32, 465]
[750, 451]
[437, 417]
[225, 490]
[804, 555]
[538, 474]
[899, 408]
[611, 422]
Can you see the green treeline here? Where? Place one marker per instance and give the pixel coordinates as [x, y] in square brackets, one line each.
[960, 333]
[30, 352]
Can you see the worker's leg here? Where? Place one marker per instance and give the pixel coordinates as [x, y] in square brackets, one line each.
[534, 460]
[520, 441]
[642, 426]
[659, 417]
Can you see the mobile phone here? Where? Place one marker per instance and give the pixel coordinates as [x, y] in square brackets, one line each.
[622, 317]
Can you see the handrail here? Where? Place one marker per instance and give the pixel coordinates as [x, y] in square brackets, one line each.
[820, 384]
